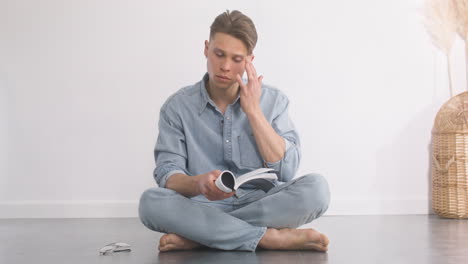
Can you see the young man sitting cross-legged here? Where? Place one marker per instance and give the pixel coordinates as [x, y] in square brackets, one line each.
[226, 123]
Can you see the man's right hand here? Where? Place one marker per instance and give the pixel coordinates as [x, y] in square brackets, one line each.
[206, 186]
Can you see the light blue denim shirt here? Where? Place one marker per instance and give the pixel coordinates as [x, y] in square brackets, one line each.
[195, 137]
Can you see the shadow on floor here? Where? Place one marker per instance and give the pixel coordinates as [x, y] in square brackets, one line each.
[260, 257]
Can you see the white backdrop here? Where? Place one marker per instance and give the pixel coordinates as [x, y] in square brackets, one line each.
[81, 84]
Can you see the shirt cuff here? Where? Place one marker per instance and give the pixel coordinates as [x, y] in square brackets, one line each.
[165, 178]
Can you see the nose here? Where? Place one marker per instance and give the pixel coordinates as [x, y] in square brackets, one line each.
[225, 65]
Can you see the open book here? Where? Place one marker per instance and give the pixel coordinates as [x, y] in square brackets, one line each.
[261, 178]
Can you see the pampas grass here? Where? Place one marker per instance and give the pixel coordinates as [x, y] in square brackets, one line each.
[441, 24]
[461, 8]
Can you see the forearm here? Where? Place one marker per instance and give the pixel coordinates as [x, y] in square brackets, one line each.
[183, 184]
[202, 184]
[270, 145]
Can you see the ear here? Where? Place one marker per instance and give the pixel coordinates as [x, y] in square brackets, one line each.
[206, 48]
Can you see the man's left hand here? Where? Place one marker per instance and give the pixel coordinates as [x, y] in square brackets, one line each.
[250, 93]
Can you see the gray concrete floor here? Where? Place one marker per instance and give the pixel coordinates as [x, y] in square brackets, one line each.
[353, 239]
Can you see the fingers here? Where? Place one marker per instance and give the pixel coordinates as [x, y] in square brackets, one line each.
[210, 190]
[251, 72]
[215, 196]
[215, 173]
[239, 80]
[252, 68]
[216, 192]
[212, 193]
[260, 79]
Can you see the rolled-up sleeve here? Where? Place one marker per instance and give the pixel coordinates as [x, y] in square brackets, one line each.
[282, 124]
[170, 152]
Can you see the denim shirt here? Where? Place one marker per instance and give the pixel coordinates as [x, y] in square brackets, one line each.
[195, 137]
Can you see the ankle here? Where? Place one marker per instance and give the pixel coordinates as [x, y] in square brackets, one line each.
[270, 239]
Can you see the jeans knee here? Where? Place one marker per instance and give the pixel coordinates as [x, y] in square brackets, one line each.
[316, 193]
[144, 206]
[149, 206]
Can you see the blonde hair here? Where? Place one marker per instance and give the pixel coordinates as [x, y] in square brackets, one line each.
[237, 25]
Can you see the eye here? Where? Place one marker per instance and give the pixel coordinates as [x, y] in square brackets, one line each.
[219, 54]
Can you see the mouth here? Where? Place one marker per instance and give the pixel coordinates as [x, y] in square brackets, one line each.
[223, 77]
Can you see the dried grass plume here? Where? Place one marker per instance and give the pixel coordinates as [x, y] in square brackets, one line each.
[440, 19]
[461, 9]
[441, 23]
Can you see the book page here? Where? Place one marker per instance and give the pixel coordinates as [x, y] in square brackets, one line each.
[252, 173]
[256, 174]
[262, 184]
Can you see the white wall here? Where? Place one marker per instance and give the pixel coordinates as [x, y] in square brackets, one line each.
[81, 84]
[3, 135]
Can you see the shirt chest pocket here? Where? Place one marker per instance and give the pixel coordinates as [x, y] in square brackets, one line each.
[249, 155]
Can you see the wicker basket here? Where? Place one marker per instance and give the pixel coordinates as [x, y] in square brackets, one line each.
[450, 159]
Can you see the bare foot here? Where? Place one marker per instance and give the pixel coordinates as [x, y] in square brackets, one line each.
[170, 242]
[294, 239]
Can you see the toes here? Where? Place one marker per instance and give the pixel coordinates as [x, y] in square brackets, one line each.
[325, 240]
[163, 243]
[163, 249]
[166, 248]
[164, 240]
[170, 247]
[316, 246]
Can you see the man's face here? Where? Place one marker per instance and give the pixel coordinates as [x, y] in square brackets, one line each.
[226, 57]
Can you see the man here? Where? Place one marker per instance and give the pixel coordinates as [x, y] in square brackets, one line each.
[224, 123]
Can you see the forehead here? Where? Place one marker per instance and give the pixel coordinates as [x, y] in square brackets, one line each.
[228, 44]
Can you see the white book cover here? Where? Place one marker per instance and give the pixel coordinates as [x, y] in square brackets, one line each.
[262, 178]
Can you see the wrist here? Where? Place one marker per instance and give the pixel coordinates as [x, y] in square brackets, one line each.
[196, 185]
[254, 113]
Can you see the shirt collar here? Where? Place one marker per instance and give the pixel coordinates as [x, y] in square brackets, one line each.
[205, 97]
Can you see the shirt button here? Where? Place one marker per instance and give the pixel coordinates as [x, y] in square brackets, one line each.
[227, 140]
[228, 118]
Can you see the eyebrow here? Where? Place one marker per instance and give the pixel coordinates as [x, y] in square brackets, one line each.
[235, 55]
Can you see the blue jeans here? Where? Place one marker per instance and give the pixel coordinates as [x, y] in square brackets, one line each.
[239, 222]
